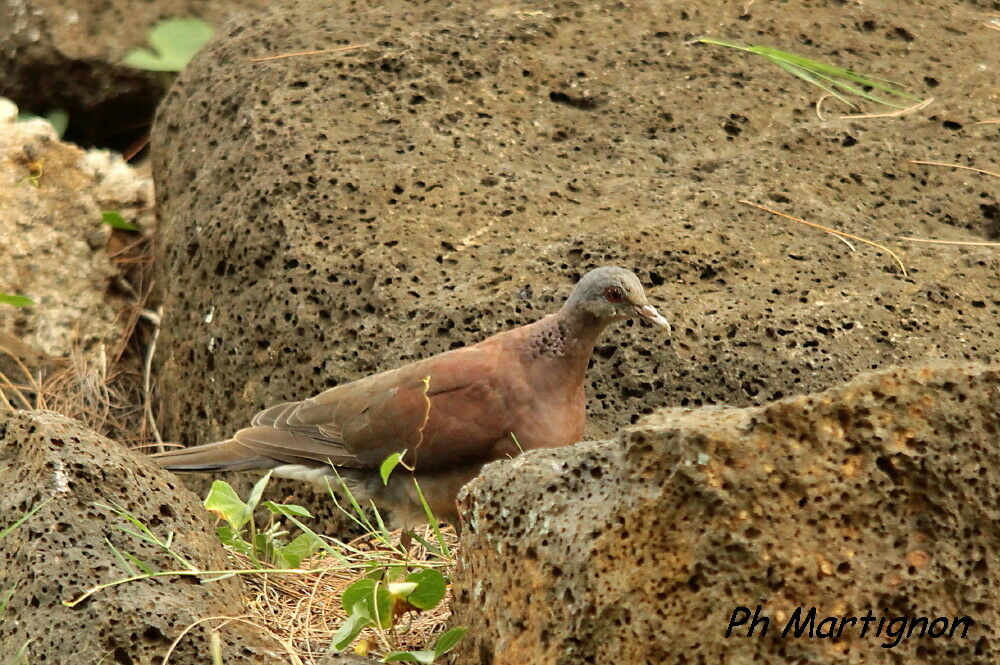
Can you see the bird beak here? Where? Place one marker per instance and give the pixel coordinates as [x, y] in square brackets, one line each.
[649, 313]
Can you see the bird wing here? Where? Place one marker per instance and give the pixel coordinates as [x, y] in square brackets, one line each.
[447, 409]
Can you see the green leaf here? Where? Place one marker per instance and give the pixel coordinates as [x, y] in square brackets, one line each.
[16, 301]
[373, 596]
[825, 77]
[430, 589]
[388, 464]
[114, 219]
[300, 548]
[257, 491]
[287, 509]
[432, 520]
[357, 592]
[223, 500]
[425, 657]
[174, 42]
[355, 622]
[58, 118]
[447, 640]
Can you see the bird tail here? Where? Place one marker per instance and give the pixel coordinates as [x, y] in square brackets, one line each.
[227, 455]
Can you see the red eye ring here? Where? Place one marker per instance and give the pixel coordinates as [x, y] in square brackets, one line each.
[613, 294]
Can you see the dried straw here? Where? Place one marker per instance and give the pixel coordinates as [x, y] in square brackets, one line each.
[304, 610]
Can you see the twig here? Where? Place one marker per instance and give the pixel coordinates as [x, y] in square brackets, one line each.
[970, 243]
[989, 122]
[891, 253]
[891, 114]
[956, 166]
[316, 52]
[147, 370]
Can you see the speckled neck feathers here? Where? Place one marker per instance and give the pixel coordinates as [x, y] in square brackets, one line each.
[566, 333]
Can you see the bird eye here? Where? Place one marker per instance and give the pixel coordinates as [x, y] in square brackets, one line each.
[613, 294]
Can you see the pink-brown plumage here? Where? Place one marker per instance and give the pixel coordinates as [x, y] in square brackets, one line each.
[517, 390]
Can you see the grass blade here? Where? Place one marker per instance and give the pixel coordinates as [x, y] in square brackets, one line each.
[23, 518]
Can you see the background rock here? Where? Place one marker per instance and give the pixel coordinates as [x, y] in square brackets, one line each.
[53, 251]
[327, 216]
[69, 56]
[883, 494]
[61, 551]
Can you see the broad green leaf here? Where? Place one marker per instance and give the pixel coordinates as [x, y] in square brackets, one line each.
[373, 596]
[224, 502]
[300, 548]
[230, 538]
[15, 300]
[357, 592]
[430, 588]
[286, 509]
[114, 219]
[388, 464]
[355, 622]
[174, 42]
[58, 118]
[425, 657]
[447, 640]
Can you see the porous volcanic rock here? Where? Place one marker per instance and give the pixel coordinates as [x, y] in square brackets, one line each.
[63, 549]
[880, 494]
[328, 216]
[70, 56]
[53, 246]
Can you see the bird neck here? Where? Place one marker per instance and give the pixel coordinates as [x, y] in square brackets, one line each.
[570, 335]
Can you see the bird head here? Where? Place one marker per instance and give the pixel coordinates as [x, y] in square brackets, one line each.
[611, 294]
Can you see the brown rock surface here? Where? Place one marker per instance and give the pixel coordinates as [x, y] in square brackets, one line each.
[61, 551]
[883, 493]
[69, 56]
[324, 217]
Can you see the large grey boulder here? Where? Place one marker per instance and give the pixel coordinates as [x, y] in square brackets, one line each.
[326, 216]
[881, 494]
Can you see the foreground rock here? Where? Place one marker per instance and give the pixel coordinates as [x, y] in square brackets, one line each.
[881, 494]
[327, 216]
[63, 550]
[54, 244]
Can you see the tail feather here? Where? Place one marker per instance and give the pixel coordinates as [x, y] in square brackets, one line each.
[228, 455]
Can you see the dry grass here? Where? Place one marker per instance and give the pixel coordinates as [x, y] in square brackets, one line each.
[834, 232]
[110, 389]
[304, 610]
[101, 387]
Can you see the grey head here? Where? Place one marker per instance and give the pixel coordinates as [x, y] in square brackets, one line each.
[610, 294]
